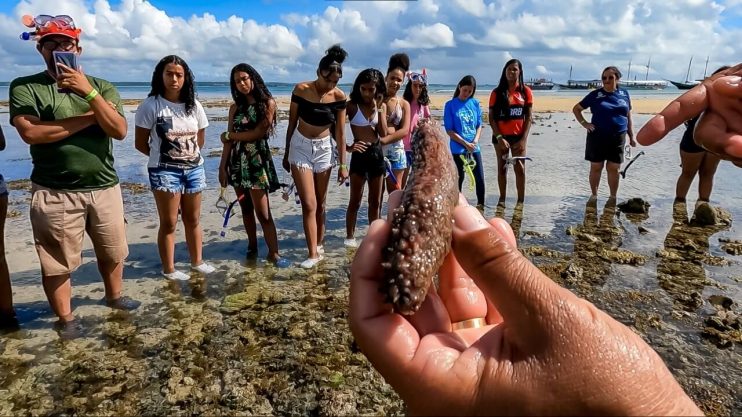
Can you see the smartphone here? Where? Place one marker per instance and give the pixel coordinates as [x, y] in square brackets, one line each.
[67, 58]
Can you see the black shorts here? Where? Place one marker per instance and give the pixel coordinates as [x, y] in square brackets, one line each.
[687, 144]
[511, 139]
[601, 147]
[370, 163]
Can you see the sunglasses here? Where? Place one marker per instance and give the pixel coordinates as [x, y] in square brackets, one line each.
[417, 77]
[62, 21]
[51, 45]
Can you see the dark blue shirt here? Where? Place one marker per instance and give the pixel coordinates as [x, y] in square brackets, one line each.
[610, 110]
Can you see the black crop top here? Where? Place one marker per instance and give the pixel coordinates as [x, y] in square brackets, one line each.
[317, 114]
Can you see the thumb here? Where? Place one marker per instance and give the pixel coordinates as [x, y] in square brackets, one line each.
[525, 297]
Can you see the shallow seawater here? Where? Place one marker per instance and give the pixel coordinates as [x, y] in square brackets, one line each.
[253, 339]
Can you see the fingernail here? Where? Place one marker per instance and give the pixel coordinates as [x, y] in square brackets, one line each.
[469, 219]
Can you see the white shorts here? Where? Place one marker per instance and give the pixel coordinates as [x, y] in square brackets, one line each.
[313, 154]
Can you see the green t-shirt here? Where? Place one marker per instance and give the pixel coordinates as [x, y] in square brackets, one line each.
[82, 161]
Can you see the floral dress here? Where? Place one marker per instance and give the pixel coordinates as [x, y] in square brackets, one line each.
[251, 163]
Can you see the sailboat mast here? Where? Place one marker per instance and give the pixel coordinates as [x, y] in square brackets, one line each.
[687, 74]
[646, 76]
[706, 67]
[628, 76]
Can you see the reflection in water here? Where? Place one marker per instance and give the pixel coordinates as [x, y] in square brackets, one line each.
[680, 270]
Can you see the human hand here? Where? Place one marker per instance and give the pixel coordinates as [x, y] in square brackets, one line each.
[73, 80]
[632, 142]
[342, 174]
[540, 349]
[286, 165]
[590, 127]
[358, 146]
[502, 142]
[719, 129]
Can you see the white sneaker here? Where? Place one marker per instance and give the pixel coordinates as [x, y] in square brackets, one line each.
[350, 243]
[321, 249]
[204, 268]
[177, 276]
[311, 262]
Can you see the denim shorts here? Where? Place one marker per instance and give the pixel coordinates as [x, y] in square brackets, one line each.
[396, 155]
[178, 180]
[312, 154]
[3, 187]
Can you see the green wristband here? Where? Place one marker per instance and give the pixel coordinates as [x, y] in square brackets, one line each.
[91, 95]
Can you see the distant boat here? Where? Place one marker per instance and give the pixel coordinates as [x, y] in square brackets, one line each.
[540, 84]
[688, 84]
[580, 84]
[645, 84]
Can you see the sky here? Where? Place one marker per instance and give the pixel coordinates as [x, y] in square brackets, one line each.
[284, 39]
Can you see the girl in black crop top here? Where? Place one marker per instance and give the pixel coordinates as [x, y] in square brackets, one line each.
[317, 112]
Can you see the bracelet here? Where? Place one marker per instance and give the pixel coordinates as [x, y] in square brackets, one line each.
[343, 166]
[499, 136]
[91, 95]
[224, 137]
[584, 122]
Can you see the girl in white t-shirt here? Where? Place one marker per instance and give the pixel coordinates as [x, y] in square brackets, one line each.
[170, 126]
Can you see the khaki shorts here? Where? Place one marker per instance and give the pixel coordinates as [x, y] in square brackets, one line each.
[60, 219]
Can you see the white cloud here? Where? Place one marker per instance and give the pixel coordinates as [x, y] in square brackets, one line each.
[122, 40]
[426, 37]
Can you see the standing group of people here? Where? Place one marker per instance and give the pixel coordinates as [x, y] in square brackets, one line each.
[69, 119]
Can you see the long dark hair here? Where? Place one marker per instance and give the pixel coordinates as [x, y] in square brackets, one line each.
[422, 99]
[259, 92]
[366, 76]
[502, 104]
[467, 80]
[187, 93]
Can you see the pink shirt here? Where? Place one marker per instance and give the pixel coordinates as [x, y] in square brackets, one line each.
[417, 112]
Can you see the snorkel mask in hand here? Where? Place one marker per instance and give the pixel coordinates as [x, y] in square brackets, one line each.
[49, 25]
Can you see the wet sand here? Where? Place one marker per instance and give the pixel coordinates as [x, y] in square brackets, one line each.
[251, 339]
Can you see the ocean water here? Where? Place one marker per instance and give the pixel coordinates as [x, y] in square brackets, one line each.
[139, 90]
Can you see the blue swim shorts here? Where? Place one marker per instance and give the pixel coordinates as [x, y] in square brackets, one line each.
[178, 180]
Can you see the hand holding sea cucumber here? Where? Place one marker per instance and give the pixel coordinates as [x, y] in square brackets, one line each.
[500, 337]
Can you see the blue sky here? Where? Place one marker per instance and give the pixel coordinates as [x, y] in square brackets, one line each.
[284, 39]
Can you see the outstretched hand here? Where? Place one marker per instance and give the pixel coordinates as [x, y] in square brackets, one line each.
[499, 337]
[719, 129]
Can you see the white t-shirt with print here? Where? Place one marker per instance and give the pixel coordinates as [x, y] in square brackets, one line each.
[173, 138]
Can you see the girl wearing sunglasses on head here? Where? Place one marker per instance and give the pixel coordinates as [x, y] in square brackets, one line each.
[316, 115]
[606, 132]
[416, 94]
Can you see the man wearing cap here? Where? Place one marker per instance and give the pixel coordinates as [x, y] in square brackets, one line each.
[68, 119]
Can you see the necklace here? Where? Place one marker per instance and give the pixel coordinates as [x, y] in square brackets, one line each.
[316, 88]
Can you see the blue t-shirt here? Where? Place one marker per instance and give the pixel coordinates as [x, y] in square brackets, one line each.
[464, 118]
[610, 110]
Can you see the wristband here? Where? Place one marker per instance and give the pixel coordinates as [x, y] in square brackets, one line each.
[584, 122]
[499, 136]
[91, 95]
[343, 166]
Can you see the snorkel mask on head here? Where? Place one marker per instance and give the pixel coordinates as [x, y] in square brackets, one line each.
[419, 77]
[45, 25]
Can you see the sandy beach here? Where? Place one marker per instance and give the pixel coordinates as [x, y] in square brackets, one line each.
[253, 339]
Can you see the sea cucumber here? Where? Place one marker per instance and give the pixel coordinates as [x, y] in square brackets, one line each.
[422, 224]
